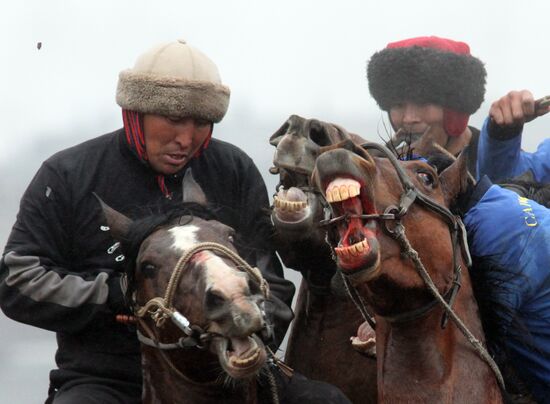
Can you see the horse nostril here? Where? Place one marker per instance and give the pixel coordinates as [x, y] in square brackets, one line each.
[242, 320]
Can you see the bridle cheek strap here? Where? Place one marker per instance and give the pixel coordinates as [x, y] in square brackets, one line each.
[458, 236]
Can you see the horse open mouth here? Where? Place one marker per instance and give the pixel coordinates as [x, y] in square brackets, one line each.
[241, 357]
[357, 249]
[292, 209]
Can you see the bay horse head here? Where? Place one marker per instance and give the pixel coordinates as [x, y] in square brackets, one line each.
[367, 193]
[198, 305]
[398, 244]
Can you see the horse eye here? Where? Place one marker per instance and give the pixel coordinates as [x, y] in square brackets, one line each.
[147, 268]
[426, 179]
[231, 238]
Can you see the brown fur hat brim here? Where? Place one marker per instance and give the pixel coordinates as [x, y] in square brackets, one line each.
[175, 97]
[425, 75]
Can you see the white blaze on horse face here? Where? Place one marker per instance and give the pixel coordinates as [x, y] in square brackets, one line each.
[226, 279]
[185, 237]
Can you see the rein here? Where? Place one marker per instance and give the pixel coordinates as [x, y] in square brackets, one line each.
[397, 231]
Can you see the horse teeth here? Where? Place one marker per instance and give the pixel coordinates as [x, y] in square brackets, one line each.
[353, 191]
[353, 250]
[246, 361]
[281, 203]
[344, 193]
[341, 251]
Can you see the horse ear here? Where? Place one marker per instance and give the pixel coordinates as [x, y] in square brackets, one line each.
[426, 145]
[454, 179]
[192, 191]
[278, 135]
[117, 222]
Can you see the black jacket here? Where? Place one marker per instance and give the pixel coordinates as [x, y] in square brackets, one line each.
[60, 269]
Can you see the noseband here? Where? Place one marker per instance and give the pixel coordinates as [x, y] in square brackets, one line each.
[393, 215]
[161, 308]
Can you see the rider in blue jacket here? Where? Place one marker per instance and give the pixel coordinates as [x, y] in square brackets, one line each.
[514, 233]
[499, 154]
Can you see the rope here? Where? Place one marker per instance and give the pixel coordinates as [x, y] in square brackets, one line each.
[163, 306]
[413, 255]
[358, 301]
[272, 386]
[184, 259]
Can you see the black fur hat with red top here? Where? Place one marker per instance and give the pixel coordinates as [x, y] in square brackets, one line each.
[429, 70]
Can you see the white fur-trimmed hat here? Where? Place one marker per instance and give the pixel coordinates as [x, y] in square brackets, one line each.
[174, 79]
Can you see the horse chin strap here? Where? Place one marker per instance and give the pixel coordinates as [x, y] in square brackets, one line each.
[458, 236]
[161, 308]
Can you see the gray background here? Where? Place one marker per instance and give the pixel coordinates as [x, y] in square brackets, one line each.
[279, 58]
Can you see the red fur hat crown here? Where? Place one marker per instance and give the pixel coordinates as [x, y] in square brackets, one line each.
[429, 70]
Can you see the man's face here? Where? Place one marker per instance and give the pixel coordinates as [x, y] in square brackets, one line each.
[416, 118]
[171, 142]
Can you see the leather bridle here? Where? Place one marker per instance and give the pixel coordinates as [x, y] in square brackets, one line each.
[394, 214]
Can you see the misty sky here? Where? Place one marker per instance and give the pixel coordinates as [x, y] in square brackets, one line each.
[279, 58]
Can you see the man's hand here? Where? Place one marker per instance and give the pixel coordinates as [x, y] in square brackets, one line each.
[515, 109]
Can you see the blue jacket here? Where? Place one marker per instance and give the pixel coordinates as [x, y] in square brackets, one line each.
[501, 159]
[515, 232]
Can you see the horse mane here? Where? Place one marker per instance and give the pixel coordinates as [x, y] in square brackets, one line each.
[500, 324]
[526, 186]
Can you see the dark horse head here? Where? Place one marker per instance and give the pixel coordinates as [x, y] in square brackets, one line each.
[198, 304]
[319, 342]
[298, 206]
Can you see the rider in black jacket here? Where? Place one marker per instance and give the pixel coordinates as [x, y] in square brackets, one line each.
[61, 268]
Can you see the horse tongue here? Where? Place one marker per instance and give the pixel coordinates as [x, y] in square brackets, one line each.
[355, 224]
[365, 332]
[241, 346]
[296, 195]
[353, 206]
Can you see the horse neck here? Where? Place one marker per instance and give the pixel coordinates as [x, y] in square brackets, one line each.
[163, 384]
[418, 361]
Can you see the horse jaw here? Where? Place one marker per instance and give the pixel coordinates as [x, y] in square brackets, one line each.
[296, 213]
[241, 357]
[357, 250]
